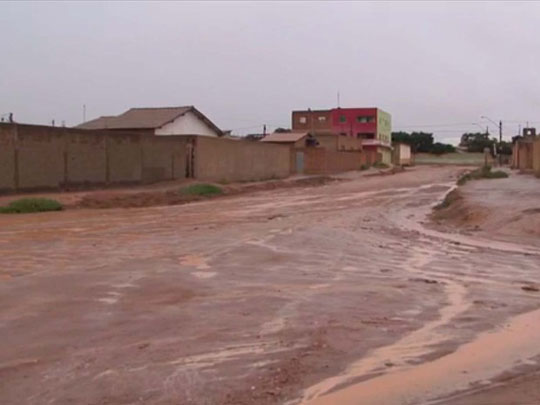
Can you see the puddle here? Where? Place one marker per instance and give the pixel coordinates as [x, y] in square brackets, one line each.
[196, 261]
[204, 274]
[486, 357]
[412, 346]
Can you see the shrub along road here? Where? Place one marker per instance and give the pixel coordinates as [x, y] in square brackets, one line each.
[264, 298]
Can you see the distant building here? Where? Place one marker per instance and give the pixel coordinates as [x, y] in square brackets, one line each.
[297, 139]
[349, 129]
[158, 121]
[401, 154]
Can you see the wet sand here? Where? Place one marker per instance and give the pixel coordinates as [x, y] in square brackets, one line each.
[283, 296]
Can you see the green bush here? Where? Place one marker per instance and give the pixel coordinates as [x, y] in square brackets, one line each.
[364, 167]
[27, 205]
[201, 189]
[482, 173]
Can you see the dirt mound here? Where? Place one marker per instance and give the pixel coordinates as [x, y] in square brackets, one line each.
[509, 210]
[134, 199]
[456, 210]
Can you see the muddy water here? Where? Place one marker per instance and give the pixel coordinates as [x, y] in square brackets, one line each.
[410, 347]
[484, 358]
[388, 375]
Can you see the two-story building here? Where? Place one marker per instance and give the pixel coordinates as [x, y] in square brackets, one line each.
[349, 129]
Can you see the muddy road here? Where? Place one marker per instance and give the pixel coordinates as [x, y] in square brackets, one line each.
[337, 294]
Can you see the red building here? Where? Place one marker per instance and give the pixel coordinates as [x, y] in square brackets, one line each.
[372, 127]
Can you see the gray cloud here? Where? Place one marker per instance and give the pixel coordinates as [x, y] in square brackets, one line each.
[245, 64]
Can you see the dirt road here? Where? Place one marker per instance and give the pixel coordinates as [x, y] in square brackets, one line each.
[316, 295]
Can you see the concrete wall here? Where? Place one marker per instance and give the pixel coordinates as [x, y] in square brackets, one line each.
[86, 159]
[401, 155]
[163, 158]
[525, 155]
[40, 157]
[329, 141]
[348, 143]
[324, 161]
[226, 160]
[7, 157]
[536, 157]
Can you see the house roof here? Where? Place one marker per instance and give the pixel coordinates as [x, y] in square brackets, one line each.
[285, 137]
[145, 118]
[375, 142]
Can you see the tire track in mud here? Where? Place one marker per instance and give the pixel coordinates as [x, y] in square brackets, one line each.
[388, 374]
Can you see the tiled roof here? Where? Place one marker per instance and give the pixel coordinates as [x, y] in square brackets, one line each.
[284, 137]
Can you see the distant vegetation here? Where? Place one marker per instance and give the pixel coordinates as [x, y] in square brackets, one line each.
[477, 141]
[422, 142]
[484, 172]
[28, 205]
[201, 189]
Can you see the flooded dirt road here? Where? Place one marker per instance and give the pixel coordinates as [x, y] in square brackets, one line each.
[341, 293]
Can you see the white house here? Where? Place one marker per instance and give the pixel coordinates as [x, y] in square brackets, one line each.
[159, 121]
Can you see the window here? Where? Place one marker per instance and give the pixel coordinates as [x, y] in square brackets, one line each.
[342, 118]
[365, 135]
[321, 118]
[302, 120]
[365, 118]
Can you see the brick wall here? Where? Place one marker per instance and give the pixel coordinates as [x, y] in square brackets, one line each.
[536, 157]
[227, 160]
[324, 161]
[41, 157]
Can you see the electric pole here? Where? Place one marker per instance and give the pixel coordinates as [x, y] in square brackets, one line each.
[500, 143]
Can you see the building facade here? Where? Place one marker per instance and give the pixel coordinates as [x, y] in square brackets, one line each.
[349, 129]
[160, 121]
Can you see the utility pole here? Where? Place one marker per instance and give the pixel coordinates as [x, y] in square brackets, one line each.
[500, 143]
[311, 126]
[500, 135]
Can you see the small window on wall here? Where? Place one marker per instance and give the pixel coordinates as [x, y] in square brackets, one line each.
[364, 118]
[302, 120]
[321, 118]
[342, 118]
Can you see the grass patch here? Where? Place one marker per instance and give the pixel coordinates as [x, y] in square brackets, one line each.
[202, 190]
[381, 165]
[28, 205]
[484, 172]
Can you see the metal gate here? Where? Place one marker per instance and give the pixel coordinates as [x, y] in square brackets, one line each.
[299, 162]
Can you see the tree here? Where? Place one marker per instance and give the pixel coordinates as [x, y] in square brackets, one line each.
[505, 148]
[422, 142]
[282, 130]
[477, 141]
[440, 148]
[402, 137]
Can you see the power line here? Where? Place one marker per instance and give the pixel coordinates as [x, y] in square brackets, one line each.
[436, 125]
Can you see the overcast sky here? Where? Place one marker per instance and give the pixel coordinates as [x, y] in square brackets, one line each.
[246, 64]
